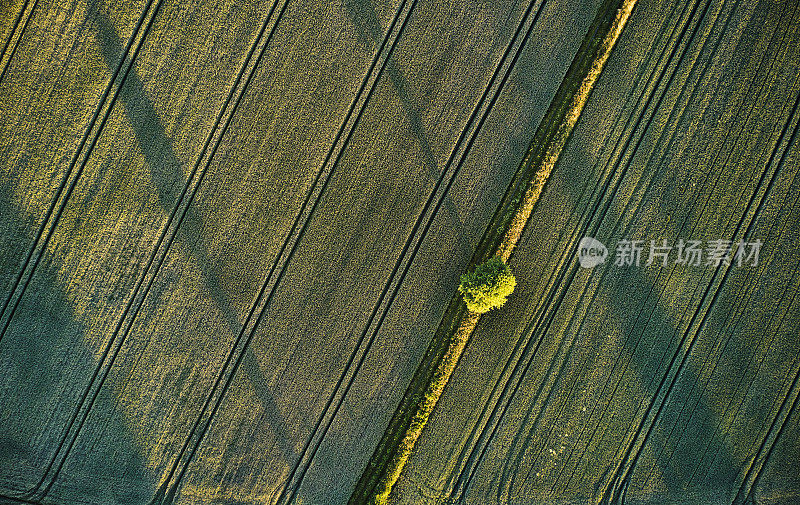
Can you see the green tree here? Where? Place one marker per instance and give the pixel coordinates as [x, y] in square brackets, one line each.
[488, 286]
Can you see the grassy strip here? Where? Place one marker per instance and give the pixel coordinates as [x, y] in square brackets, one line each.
[500, 239]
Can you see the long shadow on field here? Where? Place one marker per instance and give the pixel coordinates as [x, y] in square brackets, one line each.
[365, 18]
[650, 335]
[45, 364]
[700, 456]
[363, 15]
[168, 178]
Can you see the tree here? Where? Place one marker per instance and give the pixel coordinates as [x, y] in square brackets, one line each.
[488, 286]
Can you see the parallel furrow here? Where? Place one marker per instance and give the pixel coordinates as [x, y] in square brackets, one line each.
[753, 472]
[619, 360]
[766, 347]
[621, 477]
[414, 241]
[68, 183]
[12, 42]
[742, 105]
[553, 300]
[773, 435]
[652, 157]
[737, 309]
[510, 470]
[771, 158]
[667, 149]
[155, 260]
[45, 231]
[170, 485]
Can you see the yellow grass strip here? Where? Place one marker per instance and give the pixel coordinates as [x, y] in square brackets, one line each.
[564, 129]
[500, 239]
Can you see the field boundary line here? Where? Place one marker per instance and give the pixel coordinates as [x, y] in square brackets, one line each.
[456, 488]
[555, 285]
[500, 239]
[19, 26]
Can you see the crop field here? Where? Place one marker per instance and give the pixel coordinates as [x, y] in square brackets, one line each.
[229, 229]
[673, 383]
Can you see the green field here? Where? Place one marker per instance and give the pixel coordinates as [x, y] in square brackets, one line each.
[229, 230]
[665, 385]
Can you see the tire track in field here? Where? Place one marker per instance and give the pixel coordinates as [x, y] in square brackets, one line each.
[459, 481]
[503, 234]
[717, 180]
[413, 243]
[660, 454]
[520, 343]
[753, 219]
[541, 384]
[168, 489]
[69, 181]
[715, 158]
[75, 168]
[752, 476]
[63, 194]
[719, 428]
[510, 472]
[741, 380]
[136, 299]
[761, 360]
[20, 24]
[742, 302]
[760, 459]
[607, 168]
[615, 490]
[619, 360]
[769, 345]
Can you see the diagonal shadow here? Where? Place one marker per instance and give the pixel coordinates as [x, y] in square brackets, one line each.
[32, 382]
[650, 341]
[168, 179]
[365, 18]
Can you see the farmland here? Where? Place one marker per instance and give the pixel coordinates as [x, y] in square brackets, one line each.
[673, 384]
[217, 217]
[230, 229]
